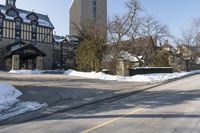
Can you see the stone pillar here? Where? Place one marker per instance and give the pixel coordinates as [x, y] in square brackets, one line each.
[15, 62]
[8, 64]
[122, 68]
[30, 65]
[39, 63]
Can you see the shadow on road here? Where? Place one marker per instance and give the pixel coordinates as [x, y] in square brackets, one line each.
[150, 99]
[66, 92]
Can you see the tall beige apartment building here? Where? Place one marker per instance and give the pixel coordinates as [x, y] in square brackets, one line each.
[84, 11]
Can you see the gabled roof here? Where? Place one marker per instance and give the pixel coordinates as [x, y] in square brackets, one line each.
[17, 48]
[1, 14]
[125, 55]
[166, 45]
[32, 14]
[72, 38]
[193, 48]
[43, 20]
[18, 18]
[58, 39]
[9, 46]
[12, 9]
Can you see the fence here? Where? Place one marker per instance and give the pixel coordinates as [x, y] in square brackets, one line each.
[148, 70]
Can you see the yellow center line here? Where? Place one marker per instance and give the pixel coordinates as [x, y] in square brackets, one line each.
[111, 121]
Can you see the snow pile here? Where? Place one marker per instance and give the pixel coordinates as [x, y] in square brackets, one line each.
[8, 95]
[198, 60]
[92, 75]
[11, 106]
[26, 71]
[152, 78]
[127, 56]
[37, 71]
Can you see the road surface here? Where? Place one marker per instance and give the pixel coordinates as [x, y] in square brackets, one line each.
[170, 108]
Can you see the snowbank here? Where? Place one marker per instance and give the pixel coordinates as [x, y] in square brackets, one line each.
[36, 71]
[8, 95]
[11, 106]
[26, 71]
[153, 78]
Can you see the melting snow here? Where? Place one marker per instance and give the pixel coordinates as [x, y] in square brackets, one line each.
[11, 106]
[26, 71]
[152, 78]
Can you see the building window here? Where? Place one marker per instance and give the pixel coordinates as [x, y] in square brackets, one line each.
[18, 30]
[1, 37]
[94, 8]
[34, 33]
[34, 28]
[18, 25]
[1, 28]
[1, 22]
[11, 2]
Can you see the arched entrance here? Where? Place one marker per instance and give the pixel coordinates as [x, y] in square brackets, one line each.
[24, 56]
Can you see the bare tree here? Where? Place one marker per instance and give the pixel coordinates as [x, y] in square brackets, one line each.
[191, 36]
[119, 26]
[151, 27]
[144, 37]
[141, 33]
[196, 31]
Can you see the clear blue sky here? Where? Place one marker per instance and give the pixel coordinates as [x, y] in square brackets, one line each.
[177, 14]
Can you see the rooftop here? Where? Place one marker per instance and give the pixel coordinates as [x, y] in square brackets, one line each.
[43, 20]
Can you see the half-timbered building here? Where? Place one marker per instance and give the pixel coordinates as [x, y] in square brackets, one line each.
[26, 38]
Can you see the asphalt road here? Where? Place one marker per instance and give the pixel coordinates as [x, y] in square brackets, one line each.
[63, 90]
[170, 108]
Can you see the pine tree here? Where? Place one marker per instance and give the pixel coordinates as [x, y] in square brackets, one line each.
[89, 55]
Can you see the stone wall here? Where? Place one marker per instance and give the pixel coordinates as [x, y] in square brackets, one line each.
[1, 58]
[48, 59]
[178, 63]
[194, 66]
[5, 42]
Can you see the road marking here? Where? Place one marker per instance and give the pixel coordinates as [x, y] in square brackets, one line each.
[111, 121]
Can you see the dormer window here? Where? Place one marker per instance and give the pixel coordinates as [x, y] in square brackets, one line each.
[12, 12]
[32, 16]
